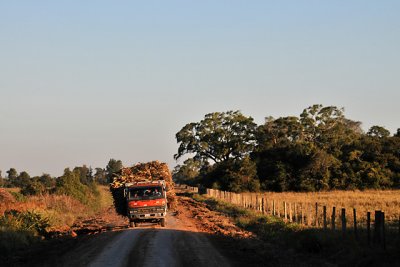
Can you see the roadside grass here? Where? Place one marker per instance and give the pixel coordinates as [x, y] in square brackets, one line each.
[363, 200]
[28, 220]
[331, 246]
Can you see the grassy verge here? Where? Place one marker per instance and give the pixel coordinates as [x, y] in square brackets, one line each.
[28, 220]
[330, 246]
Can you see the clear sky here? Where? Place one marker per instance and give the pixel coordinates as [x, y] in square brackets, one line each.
[85, 81]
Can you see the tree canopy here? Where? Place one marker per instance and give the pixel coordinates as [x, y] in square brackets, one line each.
[218, 137]
[320, 149]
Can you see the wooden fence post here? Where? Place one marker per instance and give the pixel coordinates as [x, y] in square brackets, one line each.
[343, 221]
[295, 213]
[377, 227]
[316, 215]
[284, 210]
[333, 218]
[355, 222]
[273, 208]
[324, 215]
[383, 230]
[278, 211]
[262, 206]
[302, 214]
[290, 213]
[369, 227]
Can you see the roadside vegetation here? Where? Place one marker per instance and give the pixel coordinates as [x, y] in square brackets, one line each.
[37, 208]
[318, 150]
[329, 246]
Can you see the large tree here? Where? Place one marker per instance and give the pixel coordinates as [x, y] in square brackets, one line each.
[218, 137]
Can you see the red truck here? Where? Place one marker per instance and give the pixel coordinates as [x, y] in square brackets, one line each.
[146, 202]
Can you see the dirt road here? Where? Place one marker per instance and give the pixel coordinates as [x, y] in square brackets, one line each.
[194, 236]
[174, 245]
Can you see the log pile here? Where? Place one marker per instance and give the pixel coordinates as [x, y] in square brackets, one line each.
[150, 171]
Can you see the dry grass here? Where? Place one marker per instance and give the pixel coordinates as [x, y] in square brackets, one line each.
[363, 201]
[61, 210]
[387, 201]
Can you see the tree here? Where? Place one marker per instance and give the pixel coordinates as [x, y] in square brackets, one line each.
[47, 180]
[34, 187]
[378, 131]
[218, 137]
[236, 175]
[12, 173]
[85, 174]
[21, 180]
[112, 167]
[100, 176]
[281, 130]
[188, 172]
[2, 183]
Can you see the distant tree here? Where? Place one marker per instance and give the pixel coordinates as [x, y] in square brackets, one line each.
[112, 167]
[218, 137]
[236, 175]
[2, 182]
[12, 173]
[21, 180]
[85, 174]
[378, 131]
[47, 180]
[69, 184]
[188, 172]
[397, 134]
[100, 176]
[33, 187]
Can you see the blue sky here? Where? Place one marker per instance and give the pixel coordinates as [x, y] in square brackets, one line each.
[85, 81]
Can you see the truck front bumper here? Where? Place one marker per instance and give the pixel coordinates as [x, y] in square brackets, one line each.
[147, 213]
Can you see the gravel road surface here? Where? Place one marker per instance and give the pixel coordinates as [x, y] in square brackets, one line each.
[149, 246]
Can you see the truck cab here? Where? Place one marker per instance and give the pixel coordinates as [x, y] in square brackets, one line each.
[146, 202]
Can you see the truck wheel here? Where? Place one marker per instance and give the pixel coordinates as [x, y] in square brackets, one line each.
[132, 224]
[162, 222]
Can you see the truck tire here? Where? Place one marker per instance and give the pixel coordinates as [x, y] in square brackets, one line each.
[162, 222]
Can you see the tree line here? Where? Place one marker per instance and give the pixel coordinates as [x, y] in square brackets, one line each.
[320, 149]
[80, 182]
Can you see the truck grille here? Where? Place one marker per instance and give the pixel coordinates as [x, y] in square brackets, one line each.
[148, 210]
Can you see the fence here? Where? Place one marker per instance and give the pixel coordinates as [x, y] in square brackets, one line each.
[316, 215]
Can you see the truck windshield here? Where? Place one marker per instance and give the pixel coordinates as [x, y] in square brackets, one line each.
[153, 192]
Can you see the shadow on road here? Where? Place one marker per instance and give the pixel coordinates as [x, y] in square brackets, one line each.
[144, 246]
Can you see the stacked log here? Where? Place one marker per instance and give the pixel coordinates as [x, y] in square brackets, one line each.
[150, 171]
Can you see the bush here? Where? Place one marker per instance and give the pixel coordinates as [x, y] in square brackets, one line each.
[30, 221]
[69, 184]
